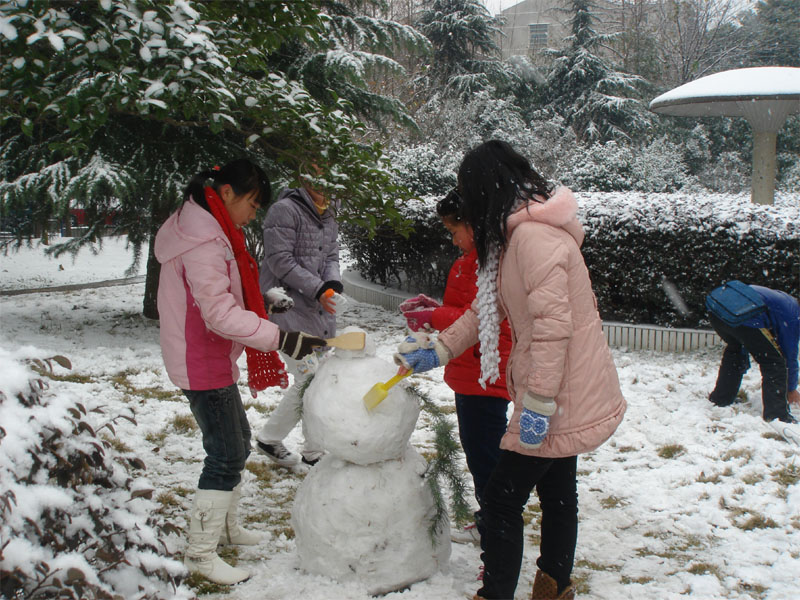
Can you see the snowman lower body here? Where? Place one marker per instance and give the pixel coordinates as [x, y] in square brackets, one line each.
[369, 523]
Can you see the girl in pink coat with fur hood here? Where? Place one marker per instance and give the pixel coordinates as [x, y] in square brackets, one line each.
[560, 374]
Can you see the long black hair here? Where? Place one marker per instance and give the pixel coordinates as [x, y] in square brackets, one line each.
[491, 179]
[241, 174]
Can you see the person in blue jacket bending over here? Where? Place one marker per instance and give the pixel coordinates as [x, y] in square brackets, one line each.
[772, 338]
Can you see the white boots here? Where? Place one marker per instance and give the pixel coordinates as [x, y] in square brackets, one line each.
[212, 520]
[232, 532]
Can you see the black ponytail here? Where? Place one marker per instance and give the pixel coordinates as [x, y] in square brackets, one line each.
[242, 175]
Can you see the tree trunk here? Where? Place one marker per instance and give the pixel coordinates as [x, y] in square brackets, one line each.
[150, 307]
[160, 209]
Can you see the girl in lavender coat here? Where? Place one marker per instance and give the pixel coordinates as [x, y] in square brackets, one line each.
[560, 374]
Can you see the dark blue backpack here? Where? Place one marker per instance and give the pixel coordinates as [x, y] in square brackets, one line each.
[735, 303]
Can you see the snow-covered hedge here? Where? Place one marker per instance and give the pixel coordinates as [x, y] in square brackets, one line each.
[76, 518]
[638, 246]
[419, 263]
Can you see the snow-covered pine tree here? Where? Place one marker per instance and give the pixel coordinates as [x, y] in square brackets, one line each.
[465, 55]
[596, 100]
[356, 49]
[149, 90]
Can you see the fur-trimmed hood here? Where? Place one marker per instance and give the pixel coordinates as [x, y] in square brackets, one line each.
[559, 210]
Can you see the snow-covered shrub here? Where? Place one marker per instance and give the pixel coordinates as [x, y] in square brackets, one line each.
[790, 183]
[636, 242]
[601, 167]
[611, 166]
[425, 169]
[76, 516]
[420, 262]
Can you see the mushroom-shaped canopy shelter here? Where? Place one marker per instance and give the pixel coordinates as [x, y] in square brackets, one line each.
[765, 96]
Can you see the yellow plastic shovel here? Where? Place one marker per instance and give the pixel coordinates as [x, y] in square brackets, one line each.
[353, 340]
[379, 391]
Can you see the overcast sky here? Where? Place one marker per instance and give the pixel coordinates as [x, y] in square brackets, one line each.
[495, 6]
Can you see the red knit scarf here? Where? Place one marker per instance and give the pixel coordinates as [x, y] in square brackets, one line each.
[264, 369]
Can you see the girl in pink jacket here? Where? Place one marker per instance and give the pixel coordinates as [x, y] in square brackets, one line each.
[560, 373]
[210, 310]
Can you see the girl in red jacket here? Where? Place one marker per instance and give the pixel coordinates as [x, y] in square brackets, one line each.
[481, 410]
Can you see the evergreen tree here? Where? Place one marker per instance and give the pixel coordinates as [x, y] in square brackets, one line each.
[776, 33]
[596, 100]
[111, 105]
[465, 55]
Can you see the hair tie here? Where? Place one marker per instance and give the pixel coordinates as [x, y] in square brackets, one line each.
[215, 168]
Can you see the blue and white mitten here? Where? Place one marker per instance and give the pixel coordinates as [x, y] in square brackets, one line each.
[420, 352]
[534, 422]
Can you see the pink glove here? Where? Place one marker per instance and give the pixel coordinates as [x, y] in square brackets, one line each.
[417, 302]
[419, 318]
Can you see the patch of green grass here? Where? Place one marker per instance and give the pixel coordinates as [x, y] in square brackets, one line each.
[757, 521]
[704, 569]
[68, 377]
[772, 435]
[745, 453]
[715, 477]
[612, 502]
[627, 449]
[184, 424]
[121, 381]
[258, 407]
[156, 438]
[204, 587]
[625, 580]
[787, 475]
[116, 443]
[594, 566]
[753, 589]
[671, 451]
[448, 409]
[258, 517]
[752, 478]
[580, 581]
[532, 515]
[153, 393]
[168, 499]
[262, 471]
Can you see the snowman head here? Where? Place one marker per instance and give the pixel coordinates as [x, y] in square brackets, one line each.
[369, 345]
[336, 417]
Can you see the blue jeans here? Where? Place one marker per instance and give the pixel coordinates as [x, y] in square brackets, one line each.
[226, 435]
[505, 498]
[481, 424]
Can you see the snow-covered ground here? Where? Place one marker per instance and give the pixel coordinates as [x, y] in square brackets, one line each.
[686, 500]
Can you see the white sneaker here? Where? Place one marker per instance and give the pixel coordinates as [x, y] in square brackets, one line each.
[278, 453]
[466, 535]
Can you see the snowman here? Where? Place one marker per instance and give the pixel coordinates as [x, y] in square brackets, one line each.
[364, 512]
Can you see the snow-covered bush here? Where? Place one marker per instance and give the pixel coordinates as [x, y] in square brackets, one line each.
[790, 183]
[420, 262]
[637, 242]
[76, 516]
[655, 167]
[634, 241]
[425, 169]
